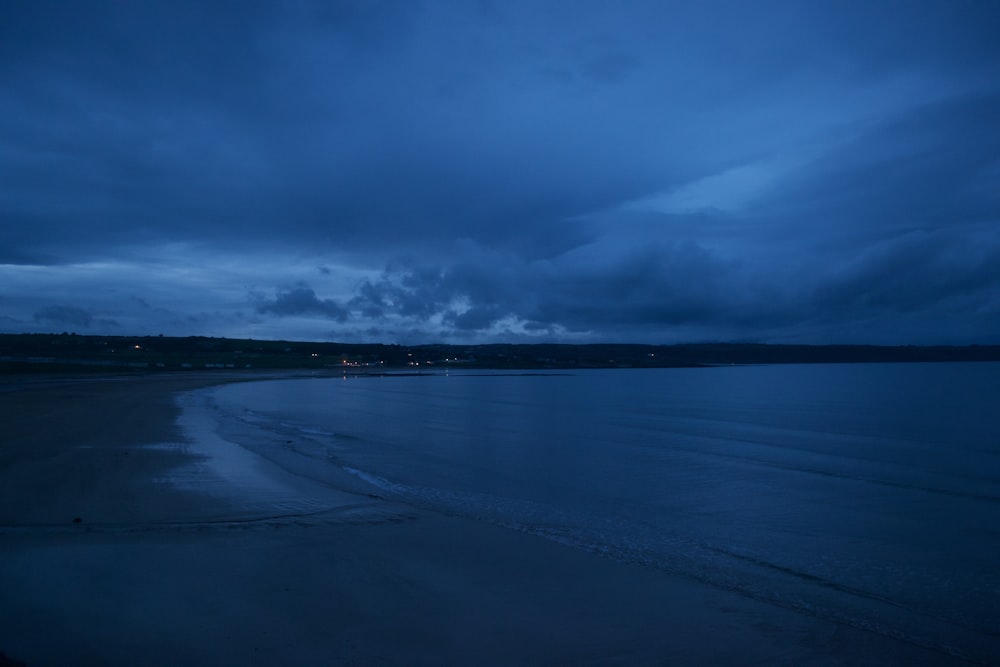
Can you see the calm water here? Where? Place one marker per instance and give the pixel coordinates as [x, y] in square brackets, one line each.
[869, 494]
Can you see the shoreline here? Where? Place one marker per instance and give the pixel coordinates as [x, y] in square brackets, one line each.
[159, 573]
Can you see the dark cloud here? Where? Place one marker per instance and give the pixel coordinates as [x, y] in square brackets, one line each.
[301, 300]
[477, 318]
[64, 315]
[914, 170]
[71, 316]
[648, 290]
[917, 272]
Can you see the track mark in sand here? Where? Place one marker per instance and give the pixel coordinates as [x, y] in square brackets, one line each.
[359, 514]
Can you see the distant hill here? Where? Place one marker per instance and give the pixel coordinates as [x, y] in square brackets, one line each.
[70, 352]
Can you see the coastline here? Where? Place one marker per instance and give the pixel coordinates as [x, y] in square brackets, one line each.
[158, 573]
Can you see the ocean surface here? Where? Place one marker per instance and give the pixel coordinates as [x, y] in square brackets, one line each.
[868, 494]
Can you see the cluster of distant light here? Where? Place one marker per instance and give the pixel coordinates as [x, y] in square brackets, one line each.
[356, 364]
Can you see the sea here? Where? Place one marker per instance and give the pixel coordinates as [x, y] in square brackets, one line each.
[865, 494]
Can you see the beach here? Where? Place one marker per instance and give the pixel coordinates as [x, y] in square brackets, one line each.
[112, 554]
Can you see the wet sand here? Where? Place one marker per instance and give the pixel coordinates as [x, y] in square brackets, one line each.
[173, 560]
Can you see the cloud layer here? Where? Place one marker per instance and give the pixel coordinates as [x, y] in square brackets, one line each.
[502, 171]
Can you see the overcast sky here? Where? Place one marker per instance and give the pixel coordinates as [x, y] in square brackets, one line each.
[476, 171]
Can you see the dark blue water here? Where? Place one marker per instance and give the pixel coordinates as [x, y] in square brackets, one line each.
[867, 494]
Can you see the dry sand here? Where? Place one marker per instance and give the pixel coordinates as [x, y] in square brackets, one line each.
[161, 573]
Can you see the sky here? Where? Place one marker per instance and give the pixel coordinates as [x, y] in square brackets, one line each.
[513, 171]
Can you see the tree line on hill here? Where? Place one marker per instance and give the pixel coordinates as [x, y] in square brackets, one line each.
[27, 352]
